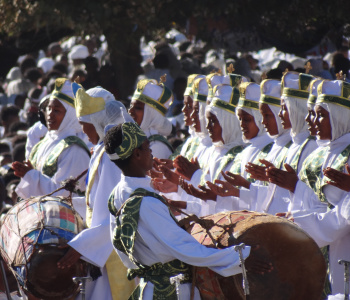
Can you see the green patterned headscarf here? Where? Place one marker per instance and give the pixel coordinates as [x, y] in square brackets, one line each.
[133, 137]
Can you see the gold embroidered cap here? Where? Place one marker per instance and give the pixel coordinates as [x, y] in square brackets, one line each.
[249, 95]
[158, 96]
[133, 137]
[63, 91]
[270, 92]
[313, 91]
[190, 81]
[225, 97]
[84, 103]
[296, 84]
[336, 92]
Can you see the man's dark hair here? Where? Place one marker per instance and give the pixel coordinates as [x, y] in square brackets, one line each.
[112, 140]
[7, 112]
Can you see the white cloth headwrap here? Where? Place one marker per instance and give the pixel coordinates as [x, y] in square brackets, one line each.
[258, 121]
[154, 122]
[231, 130]
[112, 114]
[297, 110]
[202, 120]
[339, 117]
[275, 110]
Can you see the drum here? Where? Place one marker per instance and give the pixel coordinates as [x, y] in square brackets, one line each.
[299, 266]
[33, 237]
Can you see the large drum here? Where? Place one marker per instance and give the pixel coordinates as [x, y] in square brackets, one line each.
[33, 237]
[299, 266]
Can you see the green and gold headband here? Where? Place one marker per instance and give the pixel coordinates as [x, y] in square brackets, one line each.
[266, 99]
[302, 92]
[158, 104]
[343, 100]
[228, 106]
[57, 94]
[196, 95]
[243, 101]
[312, 98]
[133, 137]
[190, 80]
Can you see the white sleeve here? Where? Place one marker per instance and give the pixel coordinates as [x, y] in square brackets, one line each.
[71, 163]
[95, 243]
[170, 240]
[160, 150]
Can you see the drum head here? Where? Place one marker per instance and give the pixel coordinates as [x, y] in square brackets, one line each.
[46, 281]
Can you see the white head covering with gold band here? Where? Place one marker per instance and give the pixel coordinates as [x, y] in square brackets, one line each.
[334, 96]
[311, 101]
[190, 79]
[133, 137]
[295, 94]
[223, 106]
[98, 107]
[63, 92]
[249, 102]
[200, 93]
[157, 99]
[270, 94]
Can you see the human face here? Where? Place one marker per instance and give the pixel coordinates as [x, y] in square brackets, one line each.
[55, 113]
[214, 127]
[145, 156]
[90, 131]
[187, 110]
[323, 123]
[284, 115]
[195, 117]
[310, 120]
[136, 111]
[248, 125]
[268, 119]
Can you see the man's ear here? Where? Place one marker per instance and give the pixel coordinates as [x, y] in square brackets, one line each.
[137, 153]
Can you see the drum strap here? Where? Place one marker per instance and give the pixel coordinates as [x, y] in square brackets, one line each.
[312, 167]
[160, 138]
[124, 240]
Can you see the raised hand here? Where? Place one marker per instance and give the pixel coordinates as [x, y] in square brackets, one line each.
[223, 188]
[235, 179]
[164, 185]
[170, 175]
[338, 179]
[284, 179]
[21, 169]
[186, 168]
[155, 174]
[162, 162]
[201, 193]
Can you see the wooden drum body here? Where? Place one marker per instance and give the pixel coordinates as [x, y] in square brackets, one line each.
[299, 266]
[33, 237]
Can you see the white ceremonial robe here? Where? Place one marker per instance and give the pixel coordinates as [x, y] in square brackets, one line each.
[274, 199]
[326, 227]
[71, 163]
[34, 135]
[248, 155]
[94, 243]
[160, 239]
[257, 189]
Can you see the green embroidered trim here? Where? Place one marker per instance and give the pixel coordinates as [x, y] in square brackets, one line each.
[295, 93]
[200, 97]
[312, 168]
[34, 153]
[248, 103]
[270, 100]
[63, 97]
[178, 149]
[124, 240]
[160, 138]
[281, 157]
[50, 165]
[151, 102]
[295, 160]
[189, 154]
[223, 105]
[231, 155]
[334, 99]
[312, 99]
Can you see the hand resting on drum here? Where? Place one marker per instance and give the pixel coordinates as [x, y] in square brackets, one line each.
[338, 179]
[284, 179]
[21, 168]
[69, 259]
[255, 265]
